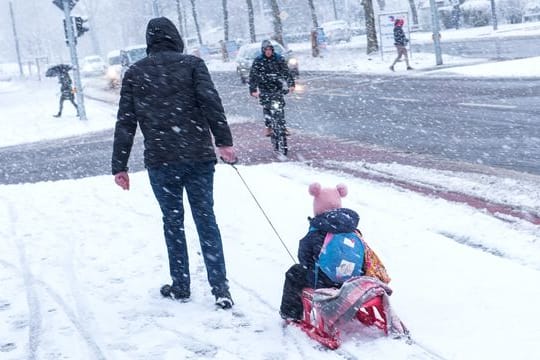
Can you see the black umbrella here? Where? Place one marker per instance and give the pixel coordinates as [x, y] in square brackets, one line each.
[58, 70]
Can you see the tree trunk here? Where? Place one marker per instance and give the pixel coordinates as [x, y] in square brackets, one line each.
[278, 27]
[194, 11]
[180, 20]
[92, 9]
[225, 21]
[251, 21]
[313, 14]
[414, 13]
[335, 10]
[371, 31]
[315, 51]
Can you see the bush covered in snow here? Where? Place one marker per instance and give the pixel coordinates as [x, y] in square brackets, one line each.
[476, 12]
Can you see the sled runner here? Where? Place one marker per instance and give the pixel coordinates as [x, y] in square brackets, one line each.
[362, 299]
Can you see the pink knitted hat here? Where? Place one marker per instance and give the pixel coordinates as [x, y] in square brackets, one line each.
[326, 199]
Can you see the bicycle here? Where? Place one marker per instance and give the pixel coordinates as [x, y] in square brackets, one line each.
[278, 136]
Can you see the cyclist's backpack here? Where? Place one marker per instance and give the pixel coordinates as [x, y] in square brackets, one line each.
[342, 256]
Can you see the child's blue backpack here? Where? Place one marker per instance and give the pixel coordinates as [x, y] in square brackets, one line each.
[342, 256]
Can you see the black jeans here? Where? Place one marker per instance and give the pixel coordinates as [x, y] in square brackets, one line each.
[291, 301]
[168, 184]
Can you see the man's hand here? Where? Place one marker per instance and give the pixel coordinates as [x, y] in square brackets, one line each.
[227, 154]
[291, 89]
[122, 179]
[255, 94]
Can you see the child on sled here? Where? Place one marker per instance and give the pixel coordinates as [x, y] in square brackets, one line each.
[324, 263]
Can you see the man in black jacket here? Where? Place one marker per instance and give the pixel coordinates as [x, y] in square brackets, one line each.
[267, 76]
[173, 99]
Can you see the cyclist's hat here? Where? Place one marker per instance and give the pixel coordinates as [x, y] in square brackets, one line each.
[266, 44]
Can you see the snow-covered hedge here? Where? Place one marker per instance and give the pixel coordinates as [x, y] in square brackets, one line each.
[476, 12]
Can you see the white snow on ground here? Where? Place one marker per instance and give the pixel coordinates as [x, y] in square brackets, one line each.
[81, 261]
[523, 191]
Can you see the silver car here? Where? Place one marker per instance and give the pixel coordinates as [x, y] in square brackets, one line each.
[337, 31]
[247, 53]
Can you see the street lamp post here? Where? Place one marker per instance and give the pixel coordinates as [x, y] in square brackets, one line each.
[436, 32]
[493, 15]
[74, 60]
[16, 38]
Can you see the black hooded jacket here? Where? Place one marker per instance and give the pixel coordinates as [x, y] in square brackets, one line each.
[269, 74]
[340, 220]
[173, 99]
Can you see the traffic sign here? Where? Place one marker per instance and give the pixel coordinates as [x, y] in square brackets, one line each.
[60, 4]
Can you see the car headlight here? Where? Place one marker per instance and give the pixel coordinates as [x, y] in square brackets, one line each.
[112, 74]
[293, 61]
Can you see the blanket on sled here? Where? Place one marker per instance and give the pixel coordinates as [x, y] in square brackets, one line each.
[339, 306]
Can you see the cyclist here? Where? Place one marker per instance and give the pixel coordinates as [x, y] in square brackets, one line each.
[267, 77]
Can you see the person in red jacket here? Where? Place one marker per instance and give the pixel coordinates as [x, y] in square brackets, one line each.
[400, 41]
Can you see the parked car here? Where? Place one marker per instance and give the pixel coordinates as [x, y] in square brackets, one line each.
[114, 68]
[133, 54]
[247, 53]
[120, 60]
[337, 31]
[93, 66]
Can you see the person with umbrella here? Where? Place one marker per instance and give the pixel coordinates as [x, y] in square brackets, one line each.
[66, 91]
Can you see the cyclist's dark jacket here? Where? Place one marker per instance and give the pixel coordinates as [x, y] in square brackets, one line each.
[269, 74]
[172, 98]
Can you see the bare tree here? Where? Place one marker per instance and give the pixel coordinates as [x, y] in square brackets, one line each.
[414, 13]
[92, 8]
[194, 11]
[225, 21]
[313, 14]
[371, 31]
[251, 21]
[180, 18]
[278, 27]
[315, 51]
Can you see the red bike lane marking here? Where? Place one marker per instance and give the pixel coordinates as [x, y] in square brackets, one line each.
[254, 148]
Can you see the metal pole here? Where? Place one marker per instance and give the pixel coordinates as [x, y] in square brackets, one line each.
[493, 15]
[16, 38]
[74, 61]
[436, 33]
[155, 8]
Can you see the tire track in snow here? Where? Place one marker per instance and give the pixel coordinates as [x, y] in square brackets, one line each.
[70, 314]
[34, 303]
[32, 299]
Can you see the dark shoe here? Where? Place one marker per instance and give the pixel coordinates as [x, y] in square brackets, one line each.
[224, 301]
[57, 115]
[289, 318]
[409, 68]
[268, 131]
[392, 68]
[174, 293]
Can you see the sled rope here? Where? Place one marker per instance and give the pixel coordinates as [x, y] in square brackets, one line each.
[264, 213]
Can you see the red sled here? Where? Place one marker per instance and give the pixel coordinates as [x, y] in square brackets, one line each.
[362, 299]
